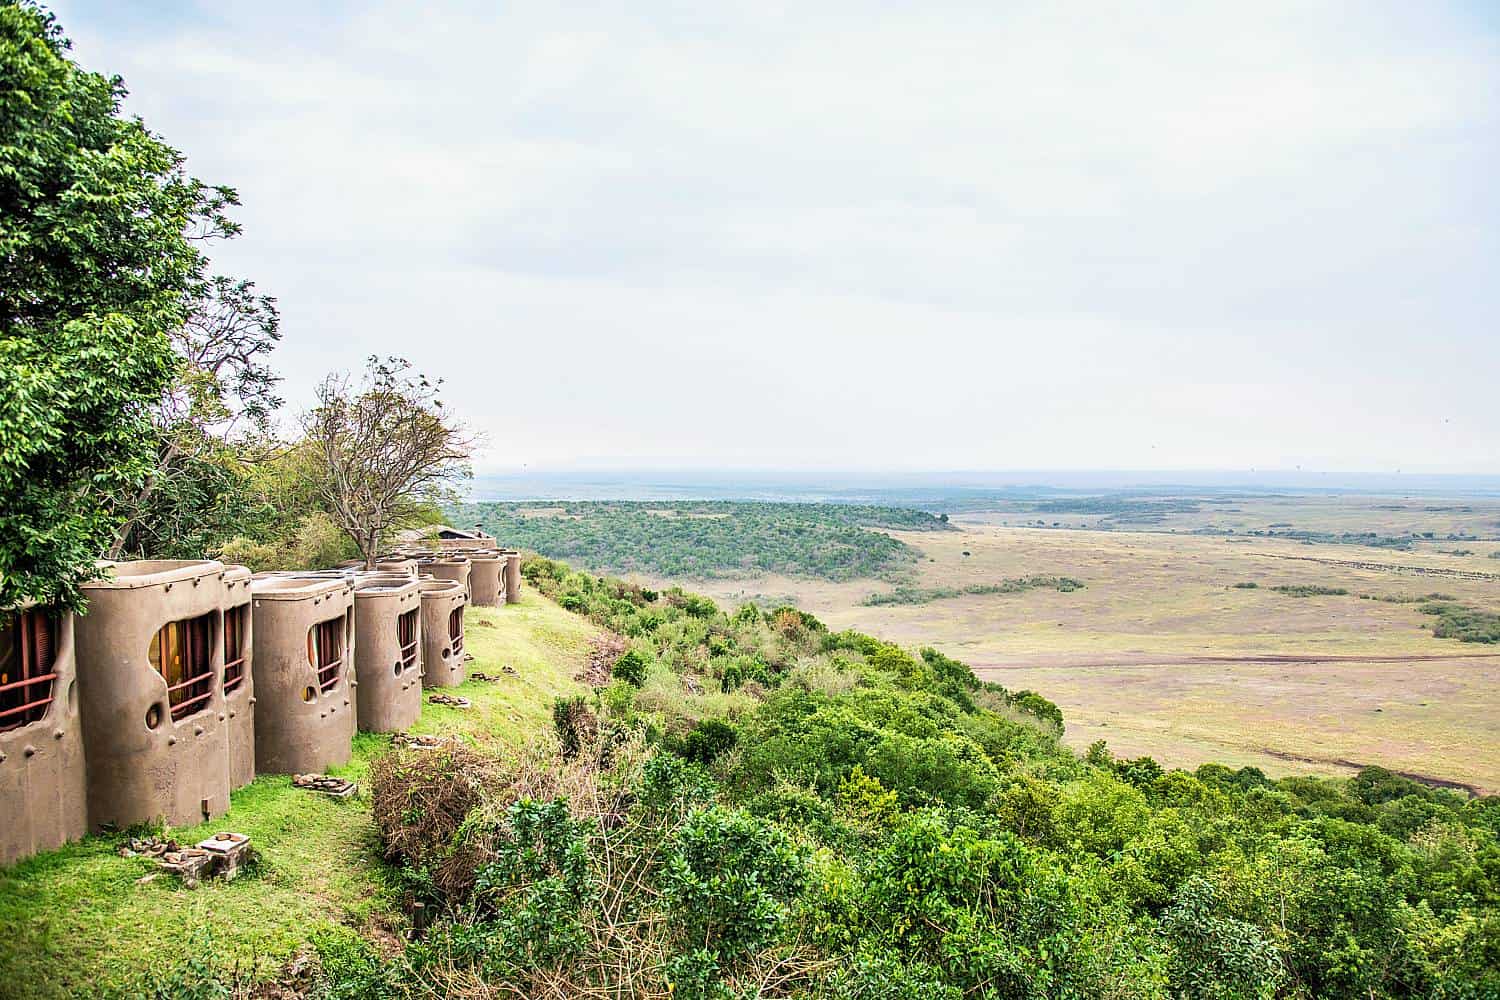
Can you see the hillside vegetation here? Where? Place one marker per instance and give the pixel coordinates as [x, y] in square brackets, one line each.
[710, 539]
[753, 805]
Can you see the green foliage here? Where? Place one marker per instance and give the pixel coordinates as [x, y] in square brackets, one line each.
[707, 741]
[630, 667]
[710, 539]
[1019, 585]
[1309, 590]
[1217, 957]
[314, 542]
[536, 887]
[95, 265]
[1464, 623]
[349, 968]
[727, 880]
[909, 831]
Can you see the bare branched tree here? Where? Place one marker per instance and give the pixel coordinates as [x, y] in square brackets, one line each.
[217, 407]
[389, 451]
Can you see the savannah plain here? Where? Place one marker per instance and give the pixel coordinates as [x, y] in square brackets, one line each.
[1161, 654]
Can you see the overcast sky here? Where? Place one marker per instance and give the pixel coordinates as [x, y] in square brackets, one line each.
[867, 235]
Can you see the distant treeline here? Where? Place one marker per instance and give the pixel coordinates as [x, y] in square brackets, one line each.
[710, 539]
[926, 595]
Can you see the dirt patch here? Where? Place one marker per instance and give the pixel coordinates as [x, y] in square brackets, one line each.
[604, 650]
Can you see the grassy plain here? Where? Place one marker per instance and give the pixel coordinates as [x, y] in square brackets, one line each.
[82, 919]
[1162, 655]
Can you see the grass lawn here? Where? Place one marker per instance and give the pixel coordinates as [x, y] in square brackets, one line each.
[81, 918]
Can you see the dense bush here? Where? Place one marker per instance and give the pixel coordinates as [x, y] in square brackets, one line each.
[1309, 590]
[862, 822]
[1461, 622]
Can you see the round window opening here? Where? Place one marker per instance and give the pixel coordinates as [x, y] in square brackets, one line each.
[397, 668]
[153, 716]
[308, 694]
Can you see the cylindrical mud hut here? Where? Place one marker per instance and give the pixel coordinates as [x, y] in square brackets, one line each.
[150, 659]
[397, 564]
[512, 576]
[486, 578]
[304, 677]
[451, 566]
[443, 633]
[388, 651]
[43, 784]
[239, 682]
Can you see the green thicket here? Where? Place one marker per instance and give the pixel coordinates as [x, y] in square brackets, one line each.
[1016, 585]
[1310, 590]
[710, 539]
[1464, 623]
[757, 806]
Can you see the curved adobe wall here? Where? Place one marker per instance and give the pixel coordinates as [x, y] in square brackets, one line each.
[442, 661]
[150, 658]
[388, 651]
[303, 666]
[238, 678]
[512, 576]
[397, 564]
[43, 784]
[486, 579]
[452, 566]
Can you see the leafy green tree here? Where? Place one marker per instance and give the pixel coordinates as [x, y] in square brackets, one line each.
[100, 229]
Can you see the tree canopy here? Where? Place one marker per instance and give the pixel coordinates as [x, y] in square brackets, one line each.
[100, 236]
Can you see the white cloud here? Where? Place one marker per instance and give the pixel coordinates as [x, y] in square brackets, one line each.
[912, 236]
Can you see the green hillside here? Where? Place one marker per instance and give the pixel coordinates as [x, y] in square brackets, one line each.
[710, 539]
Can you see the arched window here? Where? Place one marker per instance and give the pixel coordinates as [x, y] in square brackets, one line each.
[182, 652]
[27, 654]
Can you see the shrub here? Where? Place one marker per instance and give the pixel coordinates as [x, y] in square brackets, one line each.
[727, 880]
[535, 887]
[575, 724]
[1217, 957]
[707, 741]
[631, 667]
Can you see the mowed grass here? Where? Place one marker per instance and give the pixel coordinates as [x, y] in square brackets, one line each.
[82, 918]
[1161, 655]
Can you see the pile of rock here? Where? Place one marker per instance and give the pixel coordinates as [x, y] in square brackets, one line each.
[451, 700]
[223, 854]
[338, 788]
[419, 742]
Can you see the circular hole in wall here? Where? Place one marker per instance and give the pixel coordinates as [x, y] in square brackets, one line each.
[447, 651]
[153, 716]
[308, 694]
[397, 669]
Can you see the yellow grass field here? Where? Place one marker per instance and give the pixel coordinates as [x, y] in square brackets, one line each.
[1160, 655]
